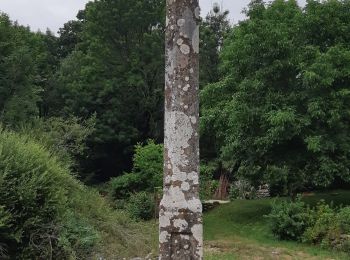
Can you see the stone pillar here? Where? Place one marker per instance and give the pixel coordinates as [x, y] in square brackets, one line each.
[180, 217]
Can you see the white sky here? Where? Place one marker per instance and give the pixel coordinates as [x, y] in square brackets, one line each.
[52, 14]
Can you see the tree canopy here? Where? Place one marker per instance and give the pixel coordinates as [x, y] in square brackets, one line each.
[280, 111]
[116, 72]
[275, 87]
[25, 67]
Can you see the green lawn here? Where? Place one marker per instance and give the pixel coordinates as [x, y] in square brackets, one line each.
[238, 230]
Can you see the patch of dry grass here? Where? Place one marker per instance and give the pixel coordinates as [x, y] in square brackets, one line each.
[250, 250]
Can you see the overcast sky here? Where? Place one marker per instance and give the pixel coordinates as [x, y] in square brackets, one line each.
[52, 14]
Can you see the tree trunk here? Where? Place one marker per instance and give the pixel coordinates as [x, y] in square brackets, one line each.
[221, 191]
[180, 216]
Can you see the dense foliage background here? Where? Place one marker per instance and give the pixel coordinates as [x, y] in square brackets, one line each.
[280, 112]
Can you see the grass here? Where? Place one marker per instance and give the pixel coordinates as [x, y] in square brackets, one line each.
[238, 230]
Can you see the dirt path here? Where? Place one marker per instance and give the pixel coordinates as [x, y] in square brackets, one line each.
[239, 250]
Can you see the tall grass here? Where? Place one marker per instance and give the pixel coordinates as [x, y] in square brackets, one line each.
[46, 213]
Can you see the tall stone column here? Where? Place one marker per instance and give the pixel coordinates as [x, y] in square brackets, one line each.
[180, 217]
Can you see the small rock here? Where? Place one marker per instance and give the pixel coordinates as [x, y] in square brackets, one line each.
[275, 252]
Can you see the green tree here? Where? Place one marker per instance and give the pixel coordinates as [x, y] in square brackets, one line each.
[214, 29]
[116, 72]
[19, 93]
[70, 35]
[27, 63]
[279, 112]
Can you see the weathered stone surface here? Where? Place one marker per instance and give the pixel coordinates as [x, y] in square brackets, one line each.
[263, 192]
[180, 216]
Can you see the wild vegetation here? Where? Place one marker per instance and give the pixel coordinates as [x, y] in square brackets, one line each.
[46, 213]
[81, 116]
[244, 230]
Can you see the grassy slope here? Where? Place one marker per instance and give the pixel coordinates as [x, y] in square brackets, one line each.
[239, 231]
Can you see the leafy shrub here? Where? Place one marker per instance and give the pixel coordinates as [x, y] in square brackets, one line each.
[141, 206]
[289, 220]
[80, 233]
[5, 225]
[207, 184]
[64, 137]
[120, 204]
[148, 161]
[233, 193]
[45, 213]
[343, 219]
[147, 172]
[322, 218]
[330, 227]
[338, 236]
[324, 225]
[242, 189]
[121, 187]
[32, 194]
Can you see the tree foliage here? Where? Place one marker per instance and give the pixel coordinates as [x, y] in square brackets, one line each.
[66, 138]
[213, 30]
[22, 53]
[116, 72]
[279, 112]
[146, 174]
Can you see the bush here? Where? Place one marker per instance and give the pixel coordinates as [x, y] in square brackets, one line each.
[5, 225]
[330, 227]
[322, 225]
[343, 220]
[141, 206]
[148, 162]
[32, 196]
[45, 213]
[121, 187]
[242, 189]
[80, 233]
[322, 218]
[338, 236]
[146, 175]
[289, 220]
[66, 138]
[207, 184]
